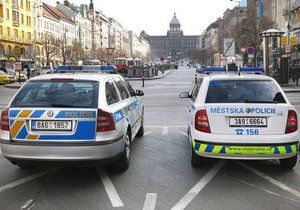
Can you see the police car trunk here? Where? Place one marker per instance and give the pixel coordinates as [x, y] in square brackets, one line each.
[245, 106]
[54, 110]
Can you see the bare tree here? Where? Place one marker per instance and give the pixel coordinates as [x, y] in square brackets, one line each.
[50, 44]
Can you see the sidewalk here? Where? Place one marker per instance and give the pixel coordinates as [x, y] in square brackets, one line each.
[291, 87]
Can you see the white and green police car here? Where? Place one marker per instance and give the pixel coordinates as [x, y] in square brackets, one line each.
[241, 116]
[72, 117]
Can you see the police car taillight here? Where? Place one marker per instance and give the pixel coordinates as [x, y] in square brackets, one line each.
[4, 123]
[292, 122]
[105, 121]
[201, 121]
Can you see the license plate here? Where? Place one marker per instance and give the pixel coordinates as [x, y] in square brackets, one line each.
[248, 122]
[43, 125]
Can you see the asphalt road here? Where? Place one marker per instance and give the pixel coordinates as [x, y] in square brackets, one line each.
[160, 175]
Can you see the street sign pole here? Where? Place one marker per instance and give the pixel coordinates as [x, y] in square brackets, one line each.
[110, 52]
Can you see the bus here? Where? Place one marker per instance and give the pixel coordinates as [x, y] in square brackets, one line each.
[123, 64]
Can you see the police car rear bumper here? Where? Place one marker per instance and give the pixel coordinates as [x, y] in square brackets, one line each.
[38, 151]
[245, 151]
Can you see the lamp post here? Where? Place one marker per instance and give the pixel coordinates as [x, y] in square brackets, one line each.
[273, 34]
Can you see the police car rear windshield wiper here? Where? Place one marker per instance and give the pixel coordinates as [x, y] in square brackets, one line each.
[261, 102]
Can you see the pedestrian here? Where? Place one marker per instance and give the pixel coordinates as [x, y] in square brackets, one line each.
[297, 72]
[28, 73]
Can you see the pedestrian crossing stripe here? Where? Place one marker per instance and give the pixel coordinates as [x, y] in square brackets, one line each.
[244, 150]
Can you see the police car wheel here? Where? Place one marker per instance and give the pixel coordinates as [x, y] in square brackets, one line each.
[124, 161]
[196, 160]
[289, 162]
[141, 131]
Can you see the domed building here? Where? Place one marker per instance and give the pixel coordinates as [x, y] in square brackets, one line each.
[174, 44]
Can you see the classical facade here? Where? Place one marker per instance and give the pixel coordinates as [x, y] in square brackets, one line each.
[174, 44]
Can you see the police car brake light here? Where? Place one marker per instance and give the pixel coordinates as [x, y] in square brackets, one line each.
[4, 123]
[201, 121]
[105, 121]
[292, 122]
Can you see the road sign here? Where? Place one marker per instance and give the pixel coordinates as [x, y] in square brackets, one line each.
[250, 50]
[162, 59]
[294, 40]
[243, 50]
[110, 50]
[229, 47]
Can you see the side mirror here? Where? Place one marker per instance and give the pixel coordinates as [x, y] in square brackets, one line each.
[185, 95]
[139, 93]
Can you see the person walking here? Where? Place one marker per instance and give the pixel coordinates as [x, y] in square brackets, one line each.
[28, 73]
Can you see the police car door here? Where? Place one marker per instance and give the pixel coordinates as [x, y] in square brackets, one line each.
[136, 107]
[126, 101]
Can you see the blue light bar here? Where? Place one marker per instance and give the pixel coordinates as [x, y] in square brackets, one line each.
[69, 68]
[252, 69]
[213, 69]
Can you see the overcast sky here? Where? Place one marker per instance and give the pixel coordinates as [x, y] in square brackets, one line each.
[154, 16]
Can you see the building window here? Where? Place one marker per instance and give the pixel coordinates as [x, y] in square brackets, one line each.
[16, 18]
[21, 4]
[8, 32]
[1, 10]
[1, 30]
[22, 19]
[7, 14]
[29, 36]
[23, 35]
[16, 35]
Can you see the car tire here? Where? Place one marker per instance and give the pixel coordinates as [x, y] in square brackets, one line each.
[123, 163]
[196, 160]
[141, 131]
[289, 162]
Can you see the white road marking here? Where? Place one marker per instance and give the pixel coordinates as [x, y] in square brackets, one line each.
[28, 205]
[150, 201]
[263, 189]
[110, 188]
[187, 198]
[184, 134]
[165, 131]
[162, 126]
[24, 180]
[147, 133]
[270, 179]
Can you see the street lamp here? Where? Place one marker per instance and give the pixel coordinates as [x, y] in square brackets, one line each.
[274, 34]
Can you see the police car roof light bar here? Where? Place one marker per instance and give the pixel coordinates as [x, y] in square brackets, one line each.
[249, 70]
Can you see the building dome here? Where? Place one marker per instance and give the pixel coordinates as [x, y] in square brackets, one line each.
[174, 20]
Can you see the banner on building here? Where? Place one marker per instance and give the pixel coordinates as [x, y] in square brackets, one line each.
[260, 11]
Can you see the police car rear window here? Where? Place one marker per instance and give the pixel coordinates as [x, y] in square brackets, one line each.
[69, 94]
[243, 91]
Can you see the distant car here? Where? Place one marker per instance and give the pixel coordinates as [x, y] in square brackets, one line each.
[45, 70]
[241, 116]
[74, 118]
[6, 78]
[21, 77]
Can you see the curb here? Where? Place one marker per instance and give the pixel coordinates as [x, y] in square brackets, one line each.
[151, 78]
[291, 90]
[13, 86]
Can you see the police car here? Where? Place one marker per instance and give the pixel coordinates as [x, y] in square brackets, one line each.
[241, 115]
[72, 117]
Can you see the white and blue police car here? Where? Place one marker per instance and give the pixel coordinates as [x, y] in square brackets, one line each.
[72, 118]
[241, 115]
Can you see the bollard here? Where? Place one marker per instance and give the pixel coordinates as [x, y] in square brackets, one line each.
[196, 79]
[143, 81]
